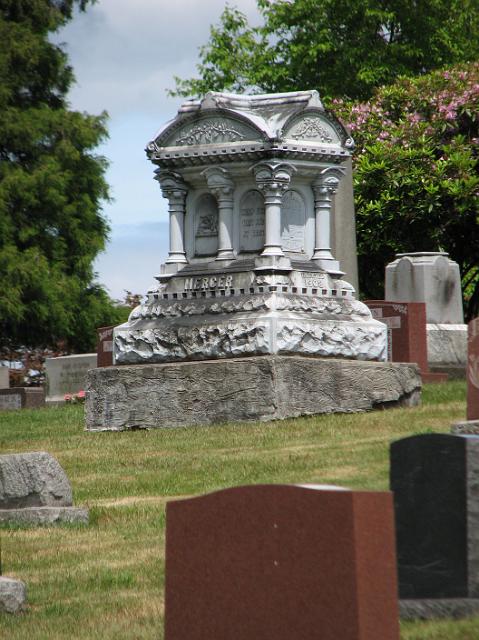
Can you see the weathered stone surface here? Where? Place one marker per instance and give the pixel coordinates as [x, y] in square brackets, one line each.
[246, 389]
[13, 595]
[430, 277]
[438, 608]
[33, 480]
[447, 345]
[67, 374]
[45, 515]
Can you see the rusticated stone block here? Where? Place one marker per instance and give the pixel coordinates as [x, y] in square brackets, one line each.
[242, 389]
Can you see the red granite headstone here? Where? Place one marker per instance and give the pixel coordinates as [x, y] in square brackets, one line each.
[104, 347]
[473, 370]
[407, 334]
[278, 562]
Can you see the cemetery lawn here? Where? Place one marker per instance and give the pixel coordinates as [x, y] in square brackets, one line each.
[106, 580]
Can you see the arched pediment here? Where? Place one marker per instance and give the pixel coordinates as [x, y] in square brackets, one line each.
[208, 129]
[318, 127]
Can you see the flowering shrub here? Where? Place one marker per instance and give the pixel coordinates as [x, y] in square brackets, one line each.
[416, 174]
[74, 398]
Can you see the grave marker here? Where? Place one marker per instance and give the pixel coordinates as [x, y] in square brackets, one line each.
[434, 478]
[67, 374]
[4, 378]
[407, 336]
[104, 348]
[21, 398]
[473, 370]
[278, 562]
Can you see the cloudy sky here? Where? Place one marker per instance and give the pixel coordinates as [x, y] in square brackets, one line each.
[125, 54]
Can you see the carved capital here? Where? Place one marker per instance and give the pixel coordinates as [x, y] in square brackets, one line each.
[273, 177]
[173, 187]
[327, 181]
[219, 182]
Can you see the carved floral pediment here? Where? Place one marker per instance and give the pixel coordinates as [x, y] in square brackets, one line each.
[312, 127]
[209, 130]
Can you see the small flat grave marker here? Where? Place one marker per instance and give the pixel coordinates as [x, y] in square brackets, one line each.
[278, 562]
[21, 398]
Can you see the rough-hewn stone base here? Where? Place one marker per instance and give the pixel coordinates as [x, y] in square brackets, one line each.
[45, 515]
[12, 595]
[243, 389]
[441, 608]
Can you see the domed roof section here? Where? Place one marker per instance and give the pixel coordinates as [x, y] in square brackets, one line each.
[225, 123]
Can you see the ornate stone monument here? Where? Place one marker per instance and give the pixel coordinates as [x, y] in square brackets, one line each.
[250, 182]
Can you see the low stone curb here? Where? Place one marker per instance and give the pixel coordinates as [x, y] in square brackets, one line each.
[13, 595]
[45, 515]
[466, 427]
[431, 609]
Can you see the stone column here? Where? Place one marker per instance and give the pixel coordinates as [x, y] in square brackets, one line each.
[174, 189]
[273, 179]
[324, 187]
[222, 187]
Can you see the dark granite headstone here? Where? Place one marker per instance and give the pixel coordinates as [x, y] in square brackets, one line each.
[278, 562]
[435, 480]
[407, 334]
[473, 370]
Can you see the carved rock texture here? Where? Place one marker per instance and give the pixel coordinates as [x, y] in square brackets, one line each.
[33, 480]
[447, 344]
[340, 339]
[169, 342]
[12, 595]
[438, 608]
[243, 389]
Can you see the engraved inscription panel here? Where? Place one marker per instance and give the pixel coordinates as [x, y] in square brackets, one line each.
[206, 226]
[293, 213]
[252, 222]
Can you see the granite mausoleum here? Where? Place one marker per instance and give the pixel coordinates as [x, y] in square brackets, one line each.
[250, 182]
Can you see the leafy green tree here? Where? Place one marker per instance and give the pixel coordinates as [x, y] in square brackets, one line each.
[340, 47]
[416, 174]
[51, 187]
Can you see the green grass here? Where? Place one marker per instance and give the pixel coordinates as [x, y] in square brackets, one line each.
[106, 580]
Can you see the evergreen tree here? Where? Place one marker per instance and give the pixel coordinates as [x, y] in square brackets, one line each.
[51, 187]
